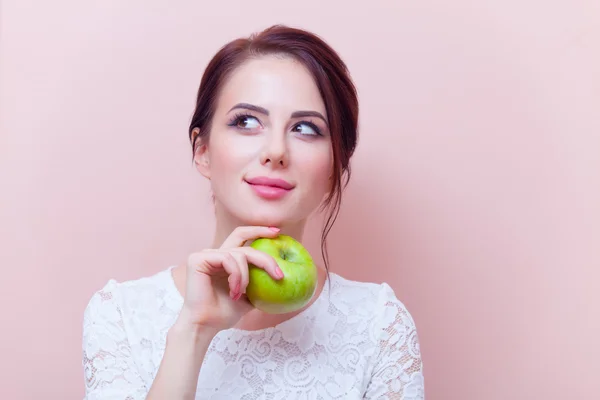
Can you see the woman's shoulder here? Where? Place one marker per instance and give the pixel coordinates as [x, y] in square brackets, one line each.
[120, 295]
[377, 300]
[361, 292]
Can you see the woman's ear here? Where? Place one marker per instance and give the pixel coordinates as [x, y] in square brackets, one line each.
[201, 154]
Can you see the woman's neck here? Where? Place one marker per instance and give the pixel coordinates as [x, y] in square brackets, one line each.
[226, 224]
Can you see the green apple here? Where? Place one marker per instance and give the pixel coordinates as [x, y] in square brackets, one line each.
[298, 285]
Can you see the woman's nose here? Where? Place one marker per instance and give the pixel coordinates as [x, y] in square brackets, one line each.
[275, 151]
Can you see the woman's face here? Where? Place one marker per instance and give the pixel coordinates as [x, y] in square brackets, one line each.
[269, 155]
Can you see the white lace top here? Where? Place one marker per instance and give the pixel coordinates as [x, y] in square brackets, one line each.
[356, 341]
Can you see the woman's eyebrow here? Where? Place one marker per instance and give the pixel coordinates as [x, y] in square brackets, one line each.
[252, 107]
[316, 114]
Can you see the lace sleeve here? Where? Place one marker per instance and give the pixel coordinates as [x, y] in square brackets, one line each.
[110, 372]
[398, 373]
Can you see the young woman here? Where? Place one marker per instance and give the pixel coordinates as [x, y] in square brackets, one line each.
[274, 128]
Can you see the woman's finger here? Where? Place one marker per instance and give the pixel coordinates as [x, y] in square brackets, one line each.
[242, 263]
[262, 260]
[242, 234]
[230, 265]
[212, 262]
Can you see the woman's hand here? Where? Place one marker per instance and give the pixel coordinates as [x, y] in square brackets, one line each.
[216, 280]
[213, 301]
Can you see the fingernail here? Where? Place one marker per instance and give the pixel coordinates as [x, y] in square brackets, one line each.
[237, 297]
[274, 229]
[279, 272]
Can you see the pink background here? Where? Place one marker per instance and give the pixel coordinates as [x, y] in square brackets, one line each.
[476, 187]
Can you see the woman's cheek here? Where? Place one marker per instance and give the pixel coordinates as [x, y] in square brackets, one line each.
[233, 152]
[321, 169]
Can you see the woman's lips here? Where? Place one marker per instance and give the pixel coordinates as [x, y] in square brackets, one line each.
[269, 192]
[270, 188]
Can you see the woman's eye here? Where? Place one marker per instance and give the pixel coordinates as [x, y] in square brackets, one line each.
[247, 122]
[306, 129]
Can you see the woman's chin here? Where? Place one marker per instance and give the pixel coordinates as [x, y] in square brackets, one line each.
[265, 221]
[266, 218]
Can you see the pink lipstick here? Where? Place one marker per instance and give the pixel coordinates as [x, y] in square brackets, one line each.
[270, 188]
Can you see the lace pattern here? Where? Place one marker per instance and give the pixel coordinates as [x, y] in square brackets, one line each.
[356, 341]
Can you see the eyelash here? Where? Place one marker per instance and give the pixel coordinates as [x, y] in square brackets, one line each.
[239, 116]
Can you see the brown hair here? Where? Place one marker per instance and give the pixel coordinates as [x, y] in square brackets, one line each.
[331, 77]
